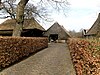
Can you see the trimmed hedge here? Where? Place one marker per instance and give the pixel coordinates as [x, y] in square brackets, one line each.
[14, 48]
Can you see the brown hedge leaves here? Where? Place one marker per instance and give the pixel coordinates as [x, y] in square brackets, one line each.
[12, 48]
[85, 56]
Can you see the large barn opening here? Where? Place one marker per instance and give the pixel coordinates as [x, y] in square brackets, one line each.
[32, 33]
[53, 37]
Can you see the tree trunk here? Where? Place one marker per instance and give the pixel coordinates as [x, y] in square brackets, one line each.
[19, 18]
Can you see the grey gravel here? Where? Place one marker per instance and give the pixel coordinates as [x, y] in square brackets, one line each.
[54, 60]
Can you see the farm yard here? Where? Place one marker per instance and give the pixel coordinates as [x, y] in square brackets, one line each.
[84, 60]
[54, 60]
[42, 38]
[85, 54]
[74, 56]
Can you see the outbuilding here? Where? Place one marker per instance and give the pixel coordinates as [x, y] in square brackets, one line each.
[31, 28]
[57, 33]
[94, 31]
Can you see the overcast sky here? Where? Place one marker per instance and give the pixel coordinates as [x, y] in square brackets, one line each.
[81, 14]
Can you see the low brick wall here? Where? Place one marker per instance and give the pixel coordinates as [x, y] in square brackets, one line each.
[12, 48]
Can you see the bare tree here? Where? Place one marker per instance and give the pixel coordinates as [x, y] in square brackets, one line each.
[21, 11]
[19, 18]
[30, 10]
[9, 7]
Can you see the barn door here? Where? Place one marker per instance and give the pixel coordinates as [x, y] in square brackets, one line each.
[53, 37]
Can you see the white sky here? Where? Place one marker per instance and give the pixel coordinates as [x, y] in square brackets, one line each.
[81, 14]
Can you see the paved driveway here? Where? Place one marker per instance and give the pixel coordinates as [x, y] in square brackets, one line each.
[54, 60]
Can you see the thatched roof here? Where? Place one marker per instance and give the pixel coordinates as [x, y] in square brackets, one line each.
[28, 24]
[95, 27]
[58, 29]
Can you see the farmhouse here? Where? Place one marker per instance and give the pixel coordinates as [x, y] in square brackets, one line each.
[94, 31]
[31, 28]
[57, 32]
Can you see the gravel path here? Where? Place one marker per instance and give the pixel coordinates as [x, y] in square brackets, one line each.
[54, 60]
